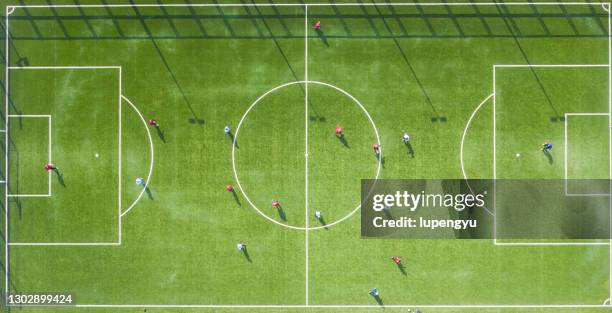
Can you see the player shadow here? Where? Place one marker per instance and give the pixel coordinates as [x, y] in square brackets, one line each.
[409, 148]
[149, 193]
[402, 269]
[322, 36]
[235, 195]
[323, 222]
[379, 300]
[344, 141]
[60, 177]
[281, 213]
[380, 159]
[549, 156]
[160, 134]
[438, 118]
[195, 120]
[555, 119]
[246, 254]
[316, 117]
[233, 139]
[19, 207]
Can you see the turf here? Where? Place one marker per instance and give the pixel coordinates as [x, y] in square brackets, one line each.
[85, 104]
[195, 70]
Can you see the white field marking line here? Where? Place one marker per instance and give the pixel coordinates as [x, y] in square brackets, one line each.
[550, 65]
[300, 4]
[119, 189]
[465, 130]
[151, 150]
[30, 115]
[22, 244]
[247, 113]
[2, 130]
[494, 158]
[306, 136]
[50, 155]
[587, 195]
[49, 160]
[333, 306]
[565, 153]
[6, 153]
[28, 196]
[607, 8]
[587, 114]
[552, 244]
[565, 170]
[62, 67]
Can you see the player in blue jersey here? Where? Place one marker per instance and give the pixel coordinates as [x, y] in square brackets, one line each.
[547, 146]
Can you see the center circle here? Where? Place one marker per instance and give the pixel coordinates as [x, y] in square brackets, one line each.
[313, 115]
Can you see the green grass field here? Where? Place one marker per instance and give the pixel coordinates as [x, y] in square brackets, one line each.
[91, 78]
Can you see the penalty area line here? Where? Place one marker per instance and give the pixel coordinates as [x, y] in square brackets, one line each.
[151, 151]
[64, 244]
[307, 229]
[552, 243]
[61, 67]
[465, 130]
[548, 65]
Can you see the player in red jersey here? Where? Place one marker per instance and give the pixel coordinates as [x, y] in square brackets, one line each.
[275, 203]
[397, 260]
[153, 122]
[376, 148]
[317, 25]
[229, 188]
[339, 131]
[50, 167]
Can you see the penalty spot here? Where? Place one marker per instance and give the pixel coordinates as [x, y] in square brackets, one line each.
[518, 155]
